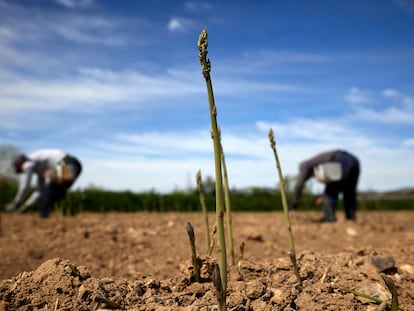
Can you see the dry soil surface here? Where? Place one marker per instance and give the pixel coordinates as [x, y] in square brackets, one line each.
[142, 261]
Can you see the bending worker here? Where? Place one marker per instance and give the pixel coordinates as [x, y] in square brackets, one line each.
[56, 172]
[339, 171]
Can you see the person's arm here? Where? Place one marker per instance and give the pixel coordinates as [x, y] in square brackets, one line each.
[30, 201]
[305, 172]
[35, 195]
[24, 183]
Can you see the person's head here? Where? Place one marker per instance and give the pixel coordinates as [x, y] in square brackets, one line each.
[18, 163]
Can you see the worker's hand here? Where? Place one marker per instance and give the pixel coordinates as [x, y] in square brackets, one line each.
[319, 200]
[10, 207]
[24, 207]
[49, 174]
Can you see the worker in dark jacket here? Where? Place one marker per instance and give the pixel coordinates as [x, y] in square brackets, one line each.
[56, 171]
[339, 171]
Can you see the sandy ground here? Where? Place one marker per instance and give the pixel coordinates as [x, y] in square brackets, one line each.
[142, 261]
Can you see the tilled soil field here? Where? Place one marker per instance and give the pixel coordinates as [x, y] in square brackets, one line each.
[142, 261]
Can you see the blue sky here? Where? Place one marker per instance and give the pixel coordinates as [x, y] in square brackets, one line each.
[119, 84]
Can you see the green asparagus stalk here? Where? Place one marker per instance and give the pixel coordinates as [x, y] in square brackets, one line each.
[213, 239]
[391, 286]
[191, 237]
[242, 246]
[206, 67]
[228, 207]
[204, 208]
[292, 253]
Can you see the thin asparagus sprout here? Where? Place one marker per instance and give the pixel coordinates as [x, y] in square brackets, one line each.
[213, 239]
[242, 246]
[228, 207]
[292, 253]
[363, 295]
[204, 208]
[191, 237]
[206, 67]
[391, 286]
[356, 293]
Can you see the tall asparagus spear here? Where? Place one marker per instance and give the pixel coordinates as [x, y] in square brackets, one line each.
[292, 253]
[206, 67]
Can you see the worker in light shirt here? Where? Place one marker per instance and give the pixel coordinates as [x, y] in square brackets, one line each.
[56, 172]
[339, 171]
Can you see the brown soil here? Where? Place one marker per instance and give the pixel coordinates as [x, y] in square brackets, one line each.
[142, 261]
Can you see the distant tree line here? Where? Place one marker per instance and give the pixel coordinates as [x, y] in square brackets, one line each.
[260, 200]
[95, 199]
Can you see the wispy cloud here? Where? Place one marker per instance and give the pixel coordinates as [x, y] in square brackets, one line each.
[90, 87]
[391, 93]
[333, 132]
[397, 108]
[406, 101]
[409, 142]
[406, 5]
[90, 30]
[293, 56]
[356, 96]
[249, 157]
[153, 143]
[180, 24]
[198, 6]
[28, 25]
[390, 115]
[75, 3]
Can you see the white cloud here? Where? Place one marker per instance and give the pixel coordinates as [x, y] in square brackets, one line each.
[178, 159]
[332, 131]
[244, 86]
[18, 23]
[153, 143]
[399, 110]
[90, 30]
[134, 174]
[408, 142]
[179, 24]
[356, 96]
[405, 5]
[292, 56]
[389, 115]
[92, 88]
[182, 145]
[75, 3]
[198, 6]
[391, 93]
[406, 101]
[7, 33]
